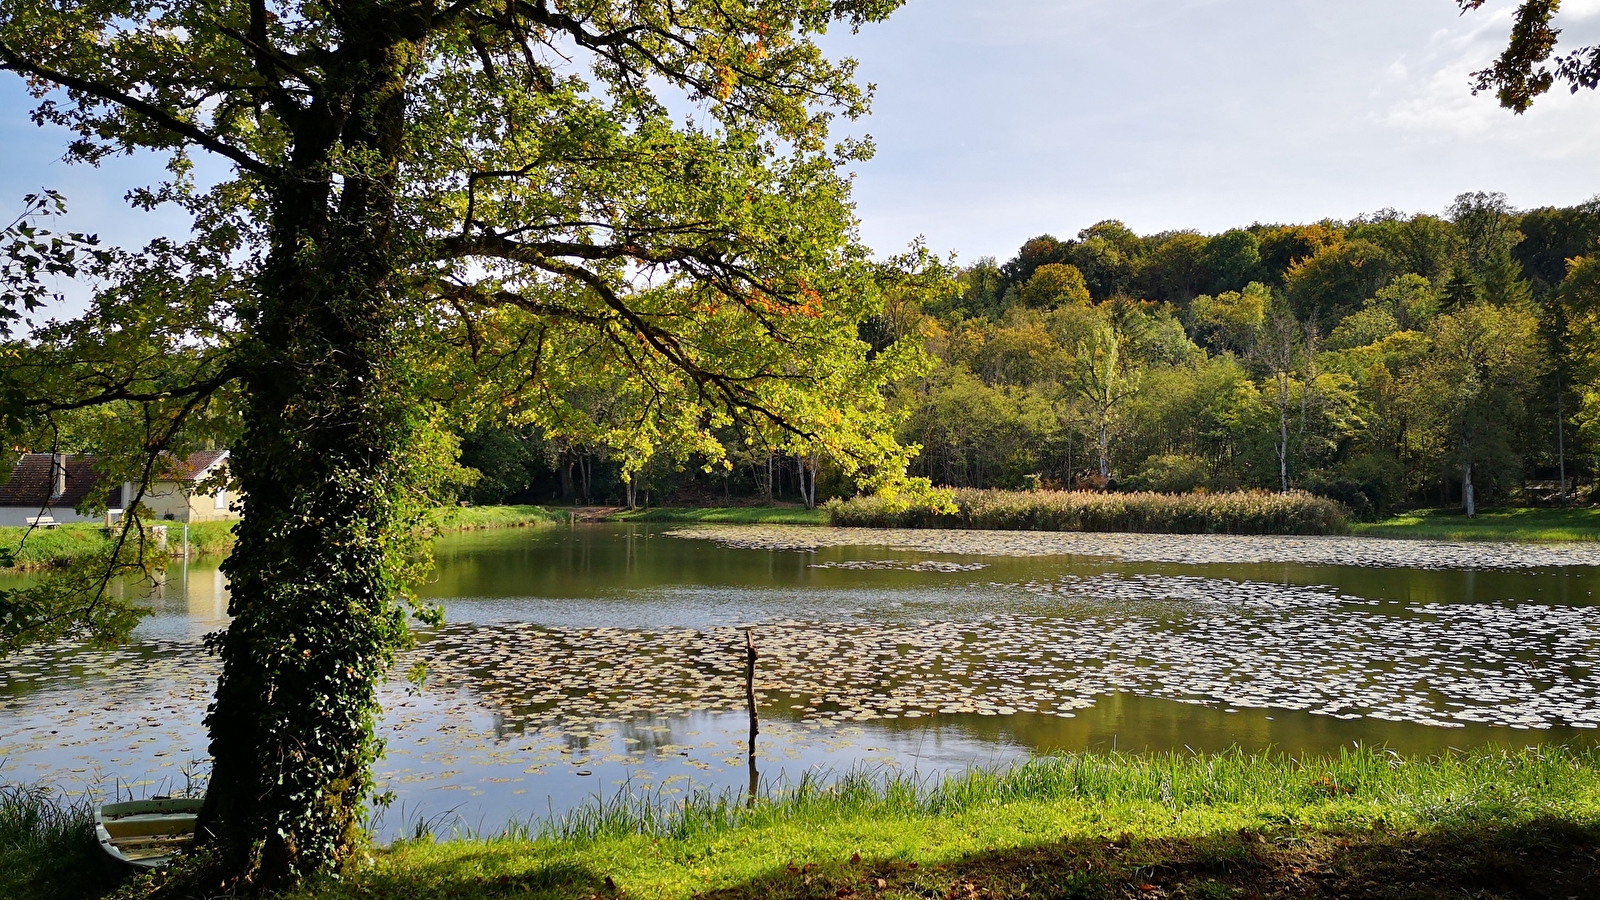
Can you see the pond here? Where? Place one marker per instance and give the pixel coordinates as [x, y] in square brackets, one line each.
[581, 661]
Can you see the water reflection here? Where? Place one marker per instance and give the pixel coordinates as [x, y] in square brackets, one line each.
[581, 661]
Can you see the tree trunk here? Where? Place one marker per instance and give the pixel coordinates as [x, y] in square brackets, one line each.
[1069, 459]
[322, 465]
[1104, 446]
[1561, 441]
[1469, 502]
[1283, 456]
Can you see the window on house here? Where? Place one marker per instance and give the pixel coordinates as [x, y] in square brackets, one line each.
[222, 498]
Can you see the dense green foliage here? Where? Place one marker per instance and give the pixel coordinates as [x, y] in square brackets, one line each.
[1390, 360]
[1238, 512]
[1385, 362]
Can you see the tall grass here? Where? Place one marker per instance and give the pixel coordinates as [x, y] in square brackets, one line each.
[1239, 512]
[47, 847]
[1457, 787]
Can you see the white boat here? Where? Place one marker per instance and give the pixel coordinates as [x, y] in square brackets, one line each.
[144, 834]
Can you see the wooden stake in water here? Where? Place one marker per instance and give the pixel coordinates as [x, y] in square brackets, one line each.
[750, 701]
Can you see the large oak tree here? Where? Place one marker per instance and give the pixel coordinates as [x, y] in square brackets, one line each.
[437, 208]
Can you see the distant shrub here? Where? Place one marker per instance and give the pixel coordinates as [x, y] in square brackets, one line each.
[1238, 512]
[1174, 473]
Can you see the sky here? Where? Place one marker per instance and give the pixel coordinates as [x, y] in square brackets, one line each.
[999, 120]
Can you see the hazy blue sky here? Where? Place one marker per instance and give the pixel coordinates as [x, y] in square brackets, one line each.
[997, 120]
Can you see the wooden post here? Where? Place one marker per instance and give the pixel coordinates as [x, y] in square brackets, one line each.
[750, 701]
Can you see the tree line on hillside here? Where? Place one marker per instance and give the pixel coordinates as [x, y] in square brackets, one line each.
[1384, 361]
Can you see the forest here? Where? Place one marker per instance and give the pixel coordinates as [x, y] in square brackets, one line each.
[1386, 361]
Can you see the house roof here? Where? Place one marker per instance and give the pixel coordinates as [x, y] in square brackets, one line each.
[30, 482]
[199, 461]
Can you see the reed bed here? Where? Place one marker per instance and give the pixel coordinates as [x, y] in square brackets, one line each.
[1238, 512]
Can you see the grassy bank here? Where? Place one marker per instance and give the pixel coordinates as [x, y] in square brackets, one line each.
[47, 847]
[48, 548]
[726, 515]
[473, 518]
[1526, 524]
[1364, 823]
[1253, 512]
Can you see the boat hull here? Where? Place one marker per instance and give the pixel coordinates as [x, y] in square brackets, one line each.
[145, 834]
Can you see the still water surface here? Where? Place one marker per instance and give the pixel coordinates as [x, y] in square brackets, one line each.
[581, 661]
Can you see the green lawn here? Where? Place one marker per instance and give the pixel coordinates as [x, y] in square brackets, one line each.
[726, 515]
[471, 518]
[1523, 524]
[1362, 824]
[48, 548]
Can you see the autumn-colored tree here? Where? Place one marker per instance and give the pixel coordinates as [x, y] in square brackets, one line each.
[1053, 285]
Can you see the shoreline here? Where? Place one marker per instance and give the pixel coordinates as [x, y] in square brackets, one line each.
[56, 548]
[1360, 823]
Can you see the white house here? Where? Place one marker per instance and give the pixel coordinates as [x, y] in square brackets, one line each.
[51, 488]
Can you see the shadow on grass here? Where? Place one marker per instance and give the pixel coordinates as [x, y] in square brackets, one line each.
[1544, 858]
[494, 870]
[1547, 858]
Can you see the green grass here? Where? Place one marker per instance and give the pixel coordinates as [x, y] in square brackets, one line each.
[47, 847]
[472, 518]
[726, 515]
[1371, 824]
[1363, 823]
[1523, 524]
[50, 548]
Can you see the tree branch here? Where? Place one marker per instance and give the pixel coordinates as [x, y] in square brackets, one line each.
[164, 118]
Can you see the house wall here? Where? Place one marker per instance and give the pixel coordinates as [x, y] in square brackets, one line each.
[19, 515]
[168, 500]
